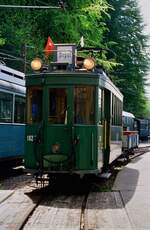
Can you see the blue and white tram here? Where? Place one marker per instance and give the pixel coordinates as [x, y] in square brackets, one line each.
[12, 114]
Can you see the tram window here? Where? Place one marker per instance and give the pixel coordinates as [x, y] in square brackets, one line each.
[100, 105]
[34, 105]
[112, 109]
[19, 116]
[120, 114]
[6, 107]
[116, 111]
[84, 110]
[57, 106]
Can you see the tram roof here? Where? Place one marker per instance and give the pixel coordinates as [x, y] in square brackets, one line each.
[11, 75]
[11, 87]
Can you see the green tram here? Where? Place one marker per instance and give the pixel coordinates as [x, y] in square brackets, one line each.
[74, 119]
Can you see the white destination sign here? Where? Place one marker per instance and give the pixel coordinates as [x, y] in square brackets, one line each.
[64, 54]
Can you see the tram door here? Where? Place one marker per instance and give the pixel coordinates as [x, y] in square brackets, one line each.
[49, 139]
[84, 129]
[57, 134]
[34, 127]
[107, 117]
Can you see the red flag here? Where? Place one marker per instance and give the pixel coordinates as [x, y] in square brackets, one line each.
[50, 47]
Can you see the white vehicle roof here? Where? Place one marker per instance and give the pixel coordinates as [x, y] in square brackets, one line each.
[11, 75]
[126, 114]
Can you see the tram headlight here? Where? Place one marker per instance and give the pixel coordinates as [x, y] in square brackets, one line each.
[36, 64]
[89, 63]
[55, 148]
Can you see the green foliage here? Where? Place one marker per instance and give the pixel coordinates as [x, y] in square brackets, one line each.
[114, 25]
[2, 41]
[126, 30]
[81, 18]
[32, 27]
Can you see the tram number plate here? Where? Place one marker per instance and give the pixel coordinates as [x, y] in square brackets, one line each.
[31, 138]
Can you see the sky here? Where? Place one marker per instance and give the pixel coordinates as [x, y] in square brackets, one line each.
[145, 10]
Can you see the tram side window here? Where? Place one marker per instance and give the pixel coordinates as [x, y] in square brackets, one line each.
[34, 105]
[116, 111]
[84, 109]
[6, 107]
[100, 105]
[113, 110]
[57, 106]
[120, 113]
[19, 116]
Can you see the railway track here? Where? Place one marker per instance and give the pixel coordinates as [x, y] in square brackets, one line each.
[31, 207]
[40, 210]
[140, 151]
[64, 205]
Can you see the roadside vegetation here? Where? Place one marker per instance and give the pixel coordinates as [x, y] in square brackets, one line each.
[116, 26]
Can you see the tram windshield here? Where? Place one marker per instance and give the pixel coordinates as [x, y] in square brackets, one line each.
[34, 105]
[84, 109]
[57, 106]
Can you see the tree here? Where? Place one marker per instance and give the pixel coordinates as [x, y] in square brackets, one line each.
[126, 39]
[17, 30]
[32, 27]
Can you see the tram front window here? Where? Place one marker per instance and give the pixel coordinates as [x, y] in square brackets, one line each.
[84, 110]
[34, 105]
[57, 106]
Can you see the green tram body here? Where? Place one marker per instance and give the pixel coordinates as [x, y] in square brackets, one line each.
[74, 122]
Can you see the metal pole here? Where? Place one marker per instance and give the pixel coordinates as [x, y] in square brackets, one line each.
[25, 57]
[30, 7]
